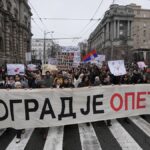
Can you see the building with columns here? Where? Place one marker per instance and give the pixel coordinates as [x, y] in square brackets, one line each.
[121, 30]
[141, 34]
[15, 30]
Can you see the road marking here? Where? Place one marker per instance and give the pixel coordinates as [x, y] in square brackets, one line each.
[54, 140]
[123, 137]
[142, 124]
[88, 138]
[24, 140]
[2, 131]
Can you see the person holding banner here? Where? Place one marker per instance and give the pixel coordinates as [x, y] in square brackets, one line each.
[66, 83]
[71, 83]
[18, 85]
[97, 82]
[85, 83]
[147, 76]
[57, 83]
[23, 81]
[48, 79]
[7, 84]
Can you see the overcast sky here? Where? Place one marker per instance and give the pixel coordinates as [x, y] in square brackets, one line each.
[78, 9]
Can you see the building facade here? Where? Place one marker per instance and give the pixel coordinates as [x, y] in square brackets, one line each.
[37, 51]
[83, 48]
[141, 34]
[123, 29]
[15, 30]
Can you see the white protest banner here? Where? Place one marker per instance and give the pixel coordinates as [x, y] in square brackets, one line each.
[117, 67]
[13, 69]
[141, 64]
[52, 61]
[57, 107]
[48, 67]
[101, 58]
[77, 59]
[31, 67]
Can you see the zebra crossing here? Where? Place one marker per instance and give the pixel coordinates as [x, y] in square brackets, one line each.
[97, 136]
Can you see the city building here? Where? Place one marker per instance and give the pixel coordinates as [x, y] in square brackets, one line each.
[37, 51]
[122, 31]
[141, 34]
[15, 30]
[83, 48]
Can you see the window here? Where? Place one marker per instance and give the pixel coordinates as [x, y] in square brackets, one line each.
[26, 20]
[1, 44]
[144, 25]
[15, 13]
[138, 12]
[121, 32]
[121, 24]
[144, 33]
[1, 4]
[9, 5]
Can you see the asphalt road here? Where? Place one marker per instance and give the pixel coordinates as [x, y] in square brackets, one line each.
[134, 135]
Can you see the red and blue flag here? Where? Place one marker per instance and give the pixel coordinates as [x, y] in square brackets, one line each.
[90, 56]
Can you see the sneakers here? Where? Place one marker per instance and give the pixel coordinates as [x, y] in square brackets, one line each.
[18, 140]
[23, 131]
[109, 124]
[88, 124]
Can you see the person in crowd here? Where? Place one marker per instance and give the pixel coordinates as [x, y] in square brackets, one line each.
[18, 85]
[147, 76]
[97, 81]
[31, 76]
[71, 85]
[85, 83]
[78, 81]
[59, 77]
[12, 81]
[48, 79]
[6, 83]
[125, 79]
[136, 77]
[38, 81]
[57, 83]
[66, 83]
[22, 80]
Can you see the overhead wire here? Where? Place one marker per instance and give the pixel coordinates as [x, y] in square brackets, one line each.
[69, 19]
[83, 29]
[36, 12]
[37, 25]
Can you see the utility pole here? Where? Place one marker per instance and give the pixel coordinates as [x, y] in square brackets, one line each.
[44, 52]
[44, 48]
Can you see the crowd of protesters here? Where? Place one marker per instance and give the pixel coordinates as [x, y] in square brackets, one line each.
[82, 76]
[85, 75]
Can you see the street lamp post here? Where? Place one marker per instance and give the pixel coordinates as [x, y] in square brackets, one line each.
[44, 47]
[44, 55]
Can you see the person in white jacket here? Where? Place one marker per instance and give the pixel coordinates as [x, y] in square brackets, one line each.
[76, 82]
